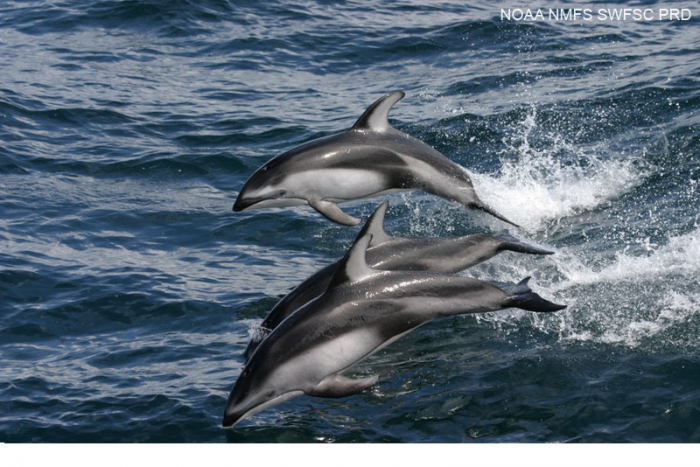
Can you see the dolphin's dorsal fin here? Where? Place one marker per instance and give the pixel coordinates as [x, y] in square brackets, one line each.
[375, 225]
[376, 117]
[353, 266]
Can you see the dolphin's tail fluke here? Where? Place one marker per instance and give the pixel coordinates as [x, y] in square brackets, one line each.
[521, 296]
[512, 243]
[488, 209]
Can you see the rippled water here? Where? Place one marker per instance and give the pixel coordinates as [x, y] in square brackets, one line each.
[128, 288]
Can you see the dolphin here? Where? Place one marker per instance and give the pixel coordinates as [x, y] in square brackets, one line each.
[369, 159]
[362, 310]
[443, 255]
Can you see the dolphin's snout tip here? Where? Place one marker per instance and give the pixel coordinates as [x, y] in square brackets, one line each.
[241, 204]
[237, 204]
[230, 420]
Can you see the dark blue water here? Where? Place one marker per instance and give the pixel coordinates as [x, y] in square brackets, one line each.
[128, 288]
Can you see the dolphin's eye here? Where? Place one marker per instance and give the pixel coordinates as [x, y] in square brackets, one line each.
[282, 193]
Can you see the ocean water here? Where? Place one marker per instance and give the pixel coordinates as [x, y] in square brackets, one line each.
[129, 289]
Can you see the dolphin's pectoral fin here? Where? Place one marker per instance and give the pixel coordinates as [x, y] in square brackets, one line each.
[331, 211]
[340, 386]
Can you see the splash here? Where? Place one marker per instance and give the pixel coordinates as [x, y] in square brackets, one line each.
[648, 299]
[551, 178]
[679, 256]
[642, 296]
[639, 298]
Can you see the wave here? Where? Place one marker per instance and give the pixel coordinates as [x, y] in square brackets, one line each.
[170, 18]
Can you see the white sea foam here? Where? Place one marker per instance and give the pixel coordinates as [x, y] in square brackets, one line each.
[636, 298]
[680, 255]
[642, 295]
[541, 186]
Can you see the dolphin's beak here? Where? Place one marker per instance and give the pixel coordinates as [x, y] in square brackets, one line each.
[242, 203]
[231, 417]
[235, 412]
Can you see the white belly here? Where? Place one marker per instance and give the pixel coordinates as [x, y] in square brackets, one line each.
[309, 368]
[336, 184]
